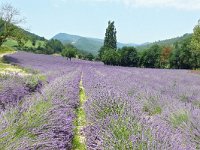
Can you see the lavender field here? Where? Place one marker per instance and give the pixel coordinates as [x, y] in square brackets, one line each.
[87, 105]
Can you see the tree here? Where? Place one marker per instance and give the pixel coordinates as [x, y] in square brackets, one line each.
[34, 40]
[164, 57]
[9, 21]
[89, 57]
[69, 51]
[111, 57]
[150, 58]
[21, 38]
[110, 40]
[54, 46]
[195, 43]
[181, 57]
[129, 56]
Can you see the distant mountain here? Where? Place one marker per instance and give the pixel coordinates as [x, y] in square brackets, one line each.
[67, 38]
[169, 42]
[91, 45]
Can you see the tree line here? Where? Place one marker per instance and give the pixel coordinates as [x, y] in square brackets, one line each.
[180, 55]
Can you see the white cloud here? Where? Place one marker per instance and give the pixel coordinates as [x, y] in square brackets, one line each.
[177, 4]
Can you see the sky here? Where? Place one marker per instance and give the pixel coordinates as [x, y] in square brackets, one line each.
[136, 21]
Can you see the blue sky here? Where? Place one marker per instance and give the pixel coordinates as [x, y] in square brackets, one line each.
[137, 21]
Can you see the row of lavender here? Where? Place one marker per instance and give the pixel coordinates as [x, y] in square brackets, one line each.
[131, 108]
[127, 108]
[42, 119]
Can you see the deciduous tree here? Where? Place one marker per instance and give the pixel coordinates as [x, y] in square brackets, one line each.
[195, 43]
[9, 21]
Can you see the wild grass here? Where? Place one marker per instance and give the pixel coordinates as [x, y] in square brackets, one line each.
[178, 118]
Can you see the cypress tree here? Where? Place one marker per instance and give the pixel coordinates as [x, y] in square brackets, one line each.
[110, 41]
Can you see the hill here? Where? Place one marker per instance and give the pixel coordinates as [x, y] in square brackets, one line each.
[11, 42]
[169, 42]
[91, 45]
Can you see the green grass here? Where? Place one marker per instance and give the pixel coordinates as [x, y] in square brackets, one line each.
[80, 122]
[6, 50]
[10, 69]
[38, 43]
[13, 43]
[111, 109]
[10, 43]
[178, 118]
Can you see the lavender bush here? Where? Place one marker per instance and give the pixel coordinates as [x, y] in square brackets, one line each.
[126, 108]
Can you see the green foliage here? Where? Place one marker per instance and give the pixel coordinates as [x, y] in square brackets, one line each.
[168, 42]
[151, 57]
[89, 57]
[110, 41]
[32, 81]
[6, 29]
[152, 110]
[5, 49]
[179, 118]
[10, 43]
[128, 56]
[195, 44]
[9, 20]
[110, 45]
[111, 57]
[110, 110]
[69, 51]
[54, 46]
[101, 52]
[122, 133]
[80, 122]
[181, 57]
